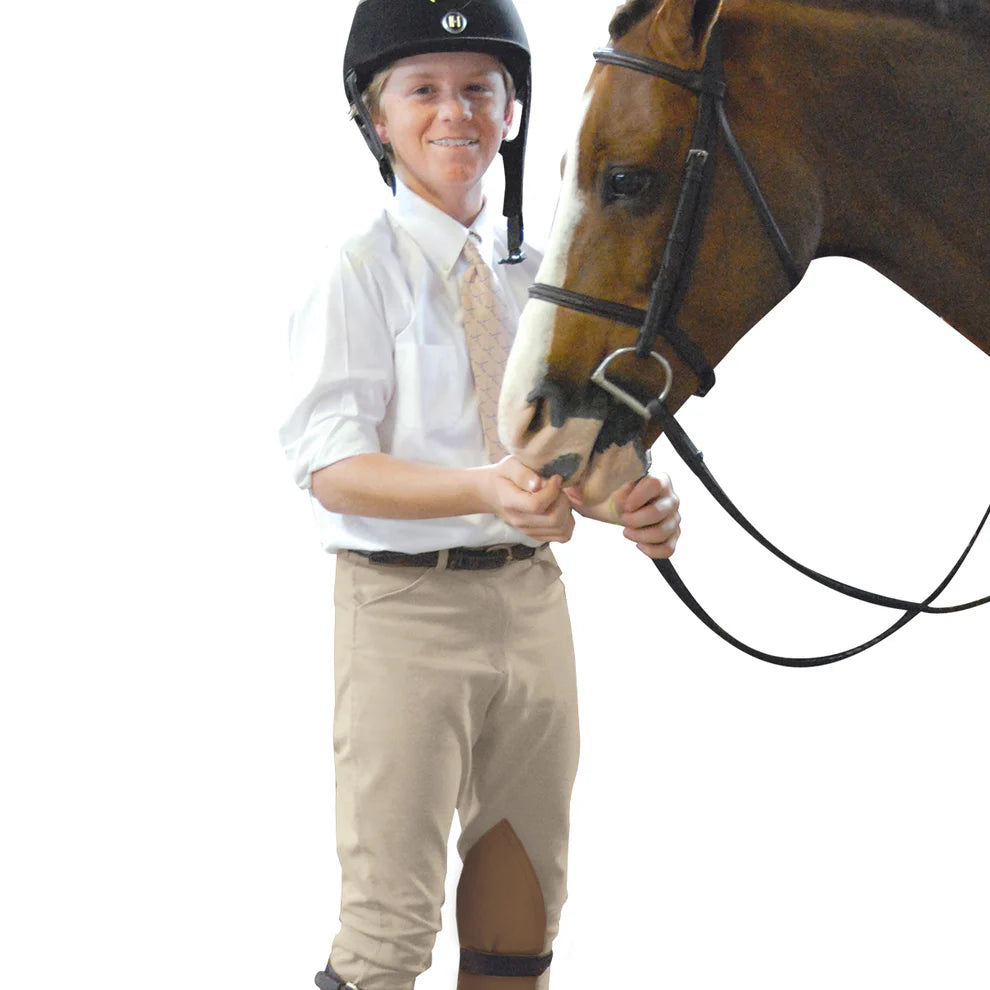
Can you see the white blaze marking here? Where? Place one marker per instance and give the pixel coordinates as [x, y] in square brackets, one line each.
[528, 359]
[570, 207]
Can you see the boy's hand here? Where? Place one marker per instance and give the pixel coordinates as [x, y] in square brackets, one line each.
[646, 508]
[532, 505]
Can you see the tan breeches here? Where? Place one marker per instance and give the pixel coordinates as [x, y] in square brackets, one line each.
[455, 690]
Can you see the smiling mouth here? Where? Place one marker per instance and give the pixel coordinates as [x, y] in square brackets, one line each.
[455, 142]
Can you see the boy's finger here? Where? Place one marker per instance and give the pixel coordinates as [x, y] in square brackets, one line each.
[653, 512]
[543, 499]
[520, 475]
[637, 494]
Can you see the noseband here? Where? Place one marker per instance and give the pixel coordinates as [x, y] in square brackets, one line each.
[658, 320]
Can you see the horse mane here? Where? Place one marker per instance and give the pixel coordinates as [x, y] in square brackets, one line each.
[960, 14]
[939, 13]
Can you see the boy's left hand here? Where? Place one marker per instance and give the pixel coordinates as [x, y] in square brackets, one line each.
[646, 508]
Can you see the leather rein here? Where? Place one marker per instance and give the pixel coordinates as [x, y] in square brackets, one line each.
[658, 320]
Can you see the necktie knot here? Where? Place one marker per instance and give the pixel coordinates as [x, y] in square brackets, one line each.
[471, 253]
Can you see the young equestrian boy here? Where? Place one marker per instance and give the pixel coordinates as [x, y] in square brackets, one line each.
[454, 667]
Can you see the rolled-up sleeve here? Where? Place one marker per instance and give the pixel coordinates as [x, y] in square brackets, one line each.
[342, 371]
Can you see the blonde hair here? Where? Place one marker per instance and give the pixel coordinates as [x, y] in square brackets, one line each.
[372, 95]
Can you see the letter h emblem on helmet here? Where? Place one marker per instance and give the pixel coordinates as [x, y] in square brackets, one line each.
[454, 22]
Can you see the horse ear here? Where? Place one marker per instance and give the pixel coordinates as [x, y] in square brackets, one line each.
[684, 27]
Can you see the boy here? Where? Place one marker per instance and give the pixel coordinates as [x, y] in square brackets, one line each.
[453, 660]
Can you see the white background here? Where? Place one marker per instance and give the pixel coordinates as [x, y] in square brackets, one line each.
[173, 174]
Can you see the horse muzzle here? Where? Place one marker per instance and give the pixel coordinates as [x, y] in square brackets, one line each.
[591, 441]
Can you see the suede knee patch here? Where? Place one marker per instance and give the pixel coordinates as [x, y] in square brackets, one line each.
[500, 906]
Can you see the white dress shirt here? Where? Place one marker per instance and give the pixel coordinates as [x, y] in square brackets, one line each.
[380, 365]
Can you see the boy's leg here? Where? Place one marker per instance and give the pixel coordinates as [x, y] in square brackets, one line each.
[515, 811]
[413, 683]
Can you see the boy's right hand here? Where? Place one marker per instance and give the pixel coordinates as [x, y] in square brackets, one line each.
[535, 506]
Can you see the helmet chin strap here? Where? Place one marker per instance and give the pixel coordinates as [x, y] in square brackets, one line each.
[513, 157]
[360, 115]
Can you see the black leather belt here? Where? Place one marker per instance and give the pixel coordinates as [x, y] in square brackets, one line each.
[458, 558]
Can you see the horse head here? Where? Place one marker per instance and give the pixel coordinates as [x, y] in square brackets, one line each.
[620, 188]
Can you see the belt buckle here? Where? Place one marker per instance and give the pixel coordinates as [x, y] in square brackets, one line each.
[501, 552]
[480, 558]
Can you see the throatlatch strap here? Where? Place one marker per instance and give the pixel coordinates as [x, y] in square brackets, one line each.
[494, 964]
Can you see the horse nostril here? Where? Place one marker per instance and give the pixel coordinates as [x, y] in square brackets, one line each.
[566, 466]
[539, 418]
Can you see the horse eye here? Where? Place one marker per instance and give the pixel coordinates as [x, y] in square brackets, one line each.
[625, 184]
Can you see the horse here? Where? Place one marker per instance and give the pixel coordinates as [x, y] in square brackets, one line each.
[868, 130]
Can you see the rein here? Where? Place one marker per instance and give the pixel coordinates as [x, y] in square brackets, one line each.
[666, 299]
[694, 459]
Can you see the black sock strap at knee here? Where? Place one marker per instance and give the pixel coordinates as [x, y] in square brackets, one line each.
[496, 964]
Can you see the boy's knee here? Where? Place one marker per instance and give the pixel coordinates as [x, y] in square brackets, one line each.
[501, 915]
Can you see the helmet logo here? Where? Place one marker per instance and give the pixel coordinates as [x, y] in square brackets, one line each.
[454, 22]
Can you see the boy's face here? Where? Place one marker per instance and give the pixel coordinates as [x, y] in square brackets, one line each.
[445, 115]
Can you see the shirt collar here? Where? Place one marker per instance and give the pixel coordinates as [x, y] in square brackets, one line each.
[440, 237]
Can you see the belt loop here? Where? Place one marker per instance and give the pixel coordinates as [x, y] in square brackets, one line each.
[442, 556]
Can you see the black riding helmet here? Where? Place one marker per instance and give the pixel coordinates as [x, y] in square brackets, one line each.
[384, 31]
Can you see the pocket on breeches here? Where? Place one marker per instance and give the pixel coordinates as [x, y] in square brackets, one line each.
[360, 583]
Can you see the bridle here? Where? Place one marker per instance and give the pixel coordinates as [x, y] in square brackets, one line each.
[670, 285]
[659, 320]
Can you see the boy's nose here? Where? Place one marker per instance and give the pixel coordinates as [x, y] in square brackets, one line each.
[455, 108]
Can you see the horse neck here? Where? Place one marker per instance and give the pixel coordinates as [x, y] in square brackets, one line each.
[894, 114]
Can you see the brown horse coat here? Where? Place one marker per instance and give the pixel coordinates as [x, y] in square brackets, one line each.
[869, 132]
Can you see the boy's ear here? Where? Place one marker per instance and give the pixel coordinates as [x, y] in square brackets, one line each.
[382, 131]
[510, 112]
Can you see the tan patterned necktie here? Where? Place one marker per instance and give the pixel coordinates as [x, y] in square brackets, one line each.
[489, 334]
